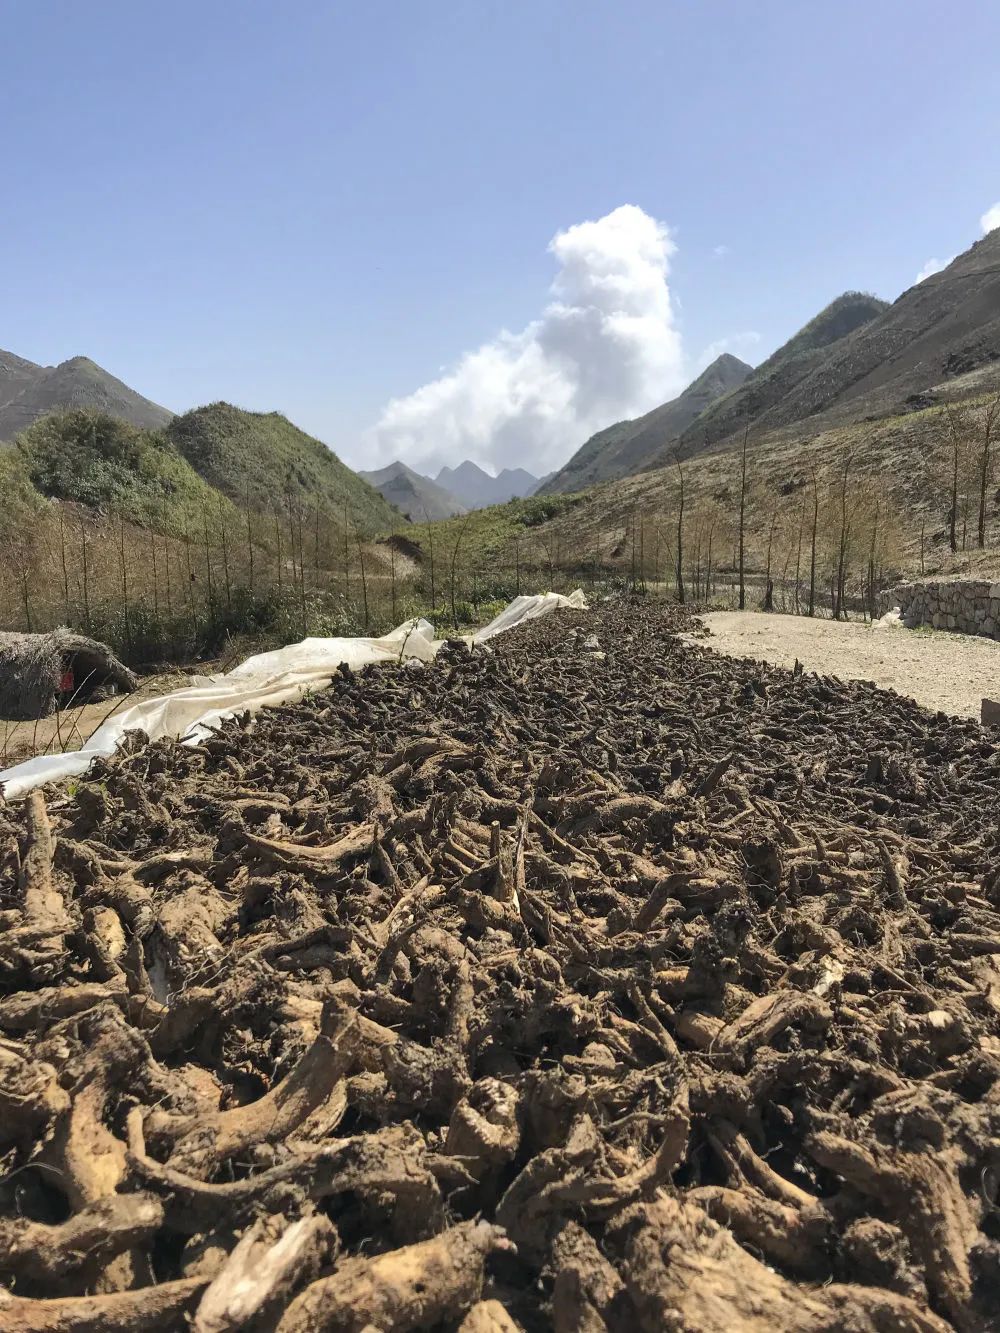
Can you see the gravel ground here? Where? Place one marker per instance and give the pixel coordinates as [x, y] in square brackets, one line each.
[950, 672]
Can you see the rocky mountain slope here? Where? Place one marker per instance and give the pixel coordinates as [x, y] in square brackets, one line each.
[416, 496]
[764, 394]
[29, 391]
[862, 359]
[942, 328]
[629, 447]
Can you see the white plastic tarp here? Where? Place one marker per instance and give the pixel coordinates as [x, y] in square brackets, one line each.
[266, 680]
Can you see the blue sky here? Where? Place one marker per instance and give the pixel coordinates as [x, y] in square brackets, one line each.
[319, 207]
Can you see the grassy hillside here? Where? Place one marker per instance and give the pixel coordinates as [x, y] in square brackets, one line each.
[106, 464]
[262, 457]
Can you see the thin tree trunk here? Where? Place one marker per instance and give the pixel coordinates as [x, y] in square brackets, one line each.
[226, 557]
[743, 499]
[156, 588]
[364, 579]
[190, 572]
[871, 565]
[812, 554]
[86, 575]
[984, 468]
[302, 578]
[680, 532]
[65, 565]
[838, 606]
[124, 575]
[166, 571]
[454, 561]
[768, 604]
[430, 551]
[316, 556]
[249, 540]
[953, 515]
[25, 594]
[277, 539]
[209, 587]
[392, 569]
[784, 580]
[708, 569]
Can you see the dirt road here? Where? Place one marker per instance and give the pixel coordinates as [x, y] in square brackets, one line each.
[950, 672]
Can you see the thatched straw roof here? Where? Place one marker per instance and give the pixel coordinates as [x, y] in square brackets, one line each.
[32, 667]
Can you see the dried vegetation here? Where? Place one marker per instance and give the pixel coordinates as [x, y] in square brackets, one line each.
[551, 986]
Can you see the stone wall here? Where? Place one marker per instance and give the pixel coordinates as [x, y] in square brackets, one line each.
[968, 606]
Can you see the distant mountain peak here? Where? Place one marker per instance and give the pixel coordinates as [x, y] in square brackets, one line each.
[628, 447]
[726, 361]
[416, 496]
[474, 486]
[726, 369]
[29, 391]
[78, 363]
[467, 468]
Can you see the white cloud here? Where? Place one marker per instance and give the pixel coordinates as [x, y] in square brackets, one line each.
[738, 344]
[605, 347]
[720, 251]
[990, 219]
[932, 266]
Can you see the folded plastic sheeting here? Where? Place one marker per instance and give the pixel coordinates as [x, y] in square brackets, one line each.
[269, 679]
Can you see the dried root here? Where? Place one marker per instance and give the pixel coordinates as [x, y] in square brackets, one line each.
[531, 990]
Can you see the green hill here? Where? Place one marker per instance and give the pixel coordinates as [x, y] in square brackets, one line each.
[262, 457]
[109, 465]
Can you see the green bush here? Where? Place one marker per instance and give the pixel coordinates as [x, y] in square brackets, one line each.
[143, 635]
[99, 461]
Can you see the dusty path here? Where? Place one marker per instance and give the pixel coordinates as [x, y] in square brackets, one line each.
[72, 727]
[950, 672]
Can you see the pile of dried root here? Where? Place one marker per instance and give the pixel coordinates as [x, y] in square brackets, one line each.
[573, 984]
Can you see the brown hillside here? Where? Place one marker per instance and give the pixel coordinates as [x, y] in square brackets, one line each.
[628, 447]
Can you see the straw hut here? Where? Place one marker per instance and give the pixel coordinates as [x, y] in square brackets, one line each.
[38, 672]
